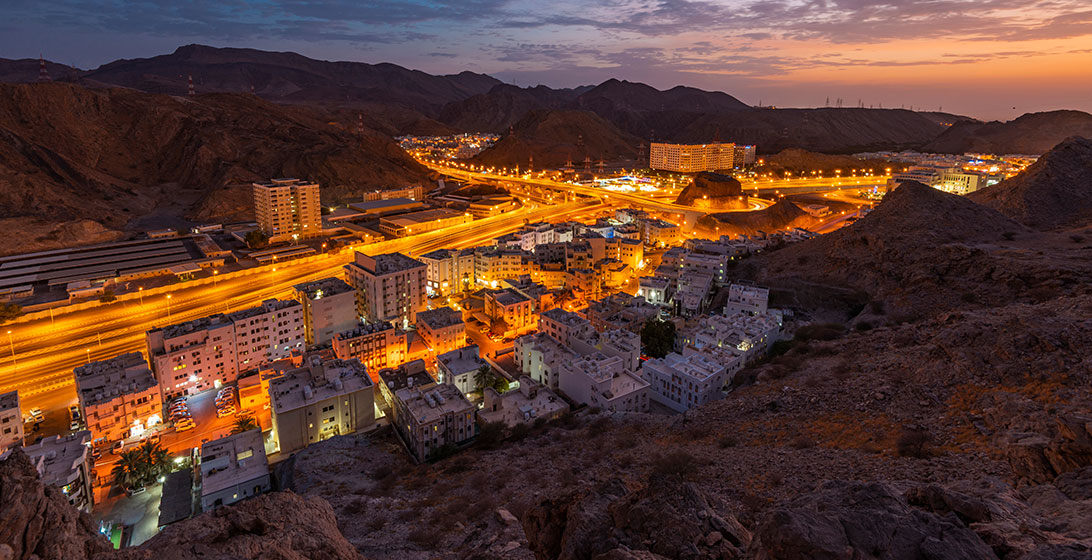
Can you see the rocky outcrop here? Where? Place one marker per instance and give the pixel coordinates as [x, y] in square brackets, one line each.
[1031, 133]
[279, 525]
[784, 214]
[36, 521]
[862, 520]
[667, 518]
[1036, 458]
[1053, 192]
[713, 191]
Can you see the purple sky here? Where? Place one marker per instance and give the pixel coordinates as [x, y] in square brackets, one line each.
[993, 59]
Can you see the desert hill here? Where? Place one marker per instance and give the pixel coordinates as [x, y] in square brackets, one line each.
[713, 191]
[1032, 133]
[503, 106]
[1055, 191]
[25, 71]
[782, 215]
[922, 251]
[69, 153]
[555, 136]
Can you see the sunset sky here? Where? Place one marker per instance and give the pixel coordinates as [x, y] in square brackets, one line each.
[992, 59]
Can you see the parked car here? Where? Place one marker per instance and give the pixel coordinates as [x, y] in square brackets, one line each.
[74, 426]
[225, 412]
[184, 427]
[134, 491]
[74, 412]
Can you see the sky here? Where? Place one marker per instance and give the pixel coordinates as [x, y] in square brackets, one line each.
[990, 59]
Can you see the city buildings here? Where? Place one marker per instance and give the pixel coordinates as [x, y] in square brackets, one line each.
[441, 329]
[743, 155]
[322, 399]
[511, 312]
[377, 345]
[601, 381]
[659, 233]
[565, 326]
[525, 405]
[11, 421]
[206, 353]
[415, 192]
[409, 374]
[681, 383]
[288, 209]
[329, 307]
[656, 290]
[744, 298]
[66, 463]
[691, 158]
[460, 368]
[233, 468]
[433, 417]
[119, 397]
[745, 335]
[449, 271]
[491, 266]
[539, 356]
[389, 287]
[414, 223]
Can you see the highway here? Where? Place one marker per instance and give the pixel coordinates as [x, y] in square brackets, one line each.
[47, 351]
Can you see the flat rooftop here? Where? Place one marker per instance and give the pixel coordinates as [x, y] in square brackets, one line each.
[508, 296]
[387, 263]
[231, 460]
[320, 288]
[9, 400]
[409, 374]
[317, 381]
[414, 218]
[462, 360]
[58, 459]
[432, 403]
[439, 318]
[567, 318]
[220, 319]
[365, 330]
[697, 367]
[104, 380]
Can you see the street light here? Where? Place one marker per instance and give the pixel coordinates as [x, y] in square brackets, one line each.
[140, 294]
[88, 350]
[14, 364]
[168, 308]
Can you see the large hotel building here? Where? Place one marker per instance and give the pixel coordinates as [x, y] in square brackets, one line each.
[288, 207]
[692, 158]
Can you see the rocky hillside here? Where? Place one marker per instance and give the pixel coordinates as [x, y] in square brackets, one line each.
[37, 522]
[25, 70]
[782, 215]
[922, 251]
[503, 106]
[1053, 192]
[555, 136]
[713, 191]
[286, 77]
[1033, 133]
[69, 154]
[797, 162]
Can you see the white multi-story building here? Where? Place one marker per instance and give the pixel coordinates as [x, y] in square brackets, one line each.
[11, 421]
[656, 290]
[233, 468]
[448, 271]
[288, 209]
[389, 287]
[748, 336]
[701, 263]
[743, 298]
[691, 158]
[659, 233]
[66, 463]
[602, 381]
[565, 326]
[681, 383]
[329, 307]
[525, 405]
[460, 368]
[441, 329]
[377, 345]
[539, 356]
[322, 399]
[120, 397]
[432, 417]
[206, 353]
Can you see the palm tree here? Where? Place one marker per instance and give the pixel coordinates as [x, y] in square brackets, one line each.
[157, 461]
[129, 470]
[244, 424]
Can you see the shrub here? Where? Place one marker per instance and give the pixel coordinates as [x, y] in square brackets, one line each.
[425, 537]
[1076, 238]
[519, 431]
[727, 441]
[914, 442]
[679, 464]
[863, 326]
[355, 506]
[820, 331]
[1009, 235]
[377, 522]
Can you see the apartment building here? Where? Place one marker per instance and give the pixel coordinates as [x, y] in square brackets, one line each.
[525, 405]
[433, 417]
[119, 397]
[460, 368]
[744, 298]
[702, 263]
[11, 421]
[233, 468]
[329, 307]
[448, 271]
[621, 311]
[691, 158]
[748, 336]
[512, 312]
[681, 383]
[66, 463]
[659, 233]
[409, 374]
[539, 356]
[585, 283]
[623, 344]
[565, 326]
[656, 290]
[695, 293]
[389, 287]
[322, 399]
[601, 381]
[377, 345]
[205, 353]
[441, 329]
[416, 192]
[744, 155]
[491, 266]
[288, 209]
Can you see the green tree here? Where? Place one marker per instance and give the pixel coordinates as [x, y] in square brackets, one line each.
[256, 239]
[9, 312]
[486, 377]
[244, 424]
[658, 338]
[129, 470]
[157, 461]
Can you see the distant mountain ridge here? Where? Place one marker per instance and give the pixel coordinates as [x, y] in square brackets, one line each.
[1032, 133]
